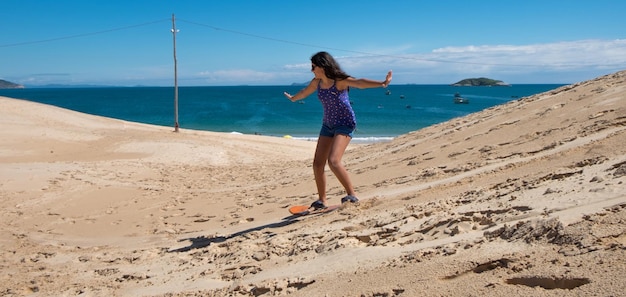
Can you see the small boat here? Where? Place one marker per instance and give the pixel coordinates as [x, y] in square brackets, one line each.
[460, 100]
[388, 92]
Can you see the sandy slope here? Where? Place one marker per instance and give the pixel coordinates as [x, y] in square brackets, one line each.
[526, 198]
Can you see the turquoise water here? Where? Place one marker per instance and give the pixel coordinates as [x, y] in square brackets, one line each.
[264, 109]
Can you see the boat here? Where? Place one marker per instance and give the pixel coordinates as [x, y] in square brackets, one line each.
[388, 92]
[460, 100]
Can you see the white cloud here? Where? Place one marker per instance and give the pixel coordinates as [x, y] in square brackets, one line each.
[559, 62]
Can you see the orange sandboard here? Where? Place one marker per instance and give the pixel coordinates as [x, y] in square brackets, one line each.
[303, 210]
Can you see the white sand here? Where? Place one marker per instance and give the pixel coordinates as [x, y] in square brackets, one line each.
[526, 198]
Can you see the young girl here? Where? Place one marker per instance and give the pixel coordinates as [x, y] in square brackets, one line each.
[332, 85]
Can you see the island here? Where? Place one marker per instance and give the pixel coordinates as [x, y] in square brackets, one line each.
[482, 81]
[9, 85]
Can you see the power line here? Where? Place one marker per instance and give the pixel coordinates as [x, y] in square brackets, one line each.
[351, 51]
[82, 35]
[282, 41]
[385, 55]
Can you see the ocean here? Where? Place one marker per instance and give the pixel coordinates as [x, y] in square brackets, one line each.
[381, 113]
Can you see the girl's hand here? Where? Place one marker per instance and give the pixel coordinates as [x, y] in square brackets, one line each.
[288, 96]
[387, 79]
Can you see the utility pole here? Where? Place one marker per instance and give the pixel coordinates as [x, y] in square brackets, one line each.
[174, 31]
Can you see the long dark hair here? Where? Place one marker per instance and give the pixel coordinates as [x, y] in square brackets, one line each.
[330, 66]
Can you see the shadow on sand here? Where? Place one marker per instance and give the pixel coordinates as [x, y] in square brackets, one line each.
[203, 241]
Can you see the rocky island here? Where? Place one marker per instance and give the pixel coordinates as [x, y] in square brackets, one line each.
[482, 81]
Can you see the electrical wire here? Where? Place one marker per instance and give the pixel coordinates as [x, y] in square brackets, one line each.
[274, 40]
[337, 49]
[82, 35]
[359, 52]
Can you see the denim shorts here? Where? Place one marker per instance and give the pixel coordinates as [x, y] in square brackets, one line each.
[331, 132]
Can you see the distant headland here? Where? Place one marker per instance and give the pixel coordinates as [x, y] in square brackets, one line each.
[9, 85]
[482, 81]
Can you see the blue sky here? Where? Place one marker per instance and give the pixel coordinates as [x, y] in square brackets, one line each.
[237, 42]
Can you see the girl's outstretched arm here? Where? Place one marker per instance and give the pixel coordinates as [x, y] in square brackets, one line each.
[364, 83]
[308, 90]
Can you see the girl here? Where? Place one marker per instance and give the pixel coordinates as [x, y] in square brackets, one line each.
[332, 85]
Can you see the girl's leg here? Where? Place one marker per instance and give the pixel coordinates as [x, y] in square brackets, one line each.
[322, 151]
[337, 148]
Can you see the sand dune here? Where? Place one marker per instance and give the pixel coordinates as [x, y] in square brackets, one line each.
[525, 198]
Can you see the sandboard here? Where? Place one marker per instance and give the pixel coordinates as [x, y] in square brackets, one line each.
[303, 210]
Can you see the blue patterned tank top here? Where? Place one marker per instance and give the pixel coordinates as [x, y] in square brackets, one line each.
[337, 108]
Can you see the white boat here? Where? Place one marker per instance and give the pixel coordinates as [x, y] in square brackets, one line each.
[460, 100]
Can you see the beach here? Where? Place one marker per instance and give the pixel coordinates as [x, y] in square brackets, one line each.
[524, 198]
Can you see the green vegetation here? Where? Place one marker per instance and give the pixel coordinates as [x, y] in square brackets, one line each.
[483, 81]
